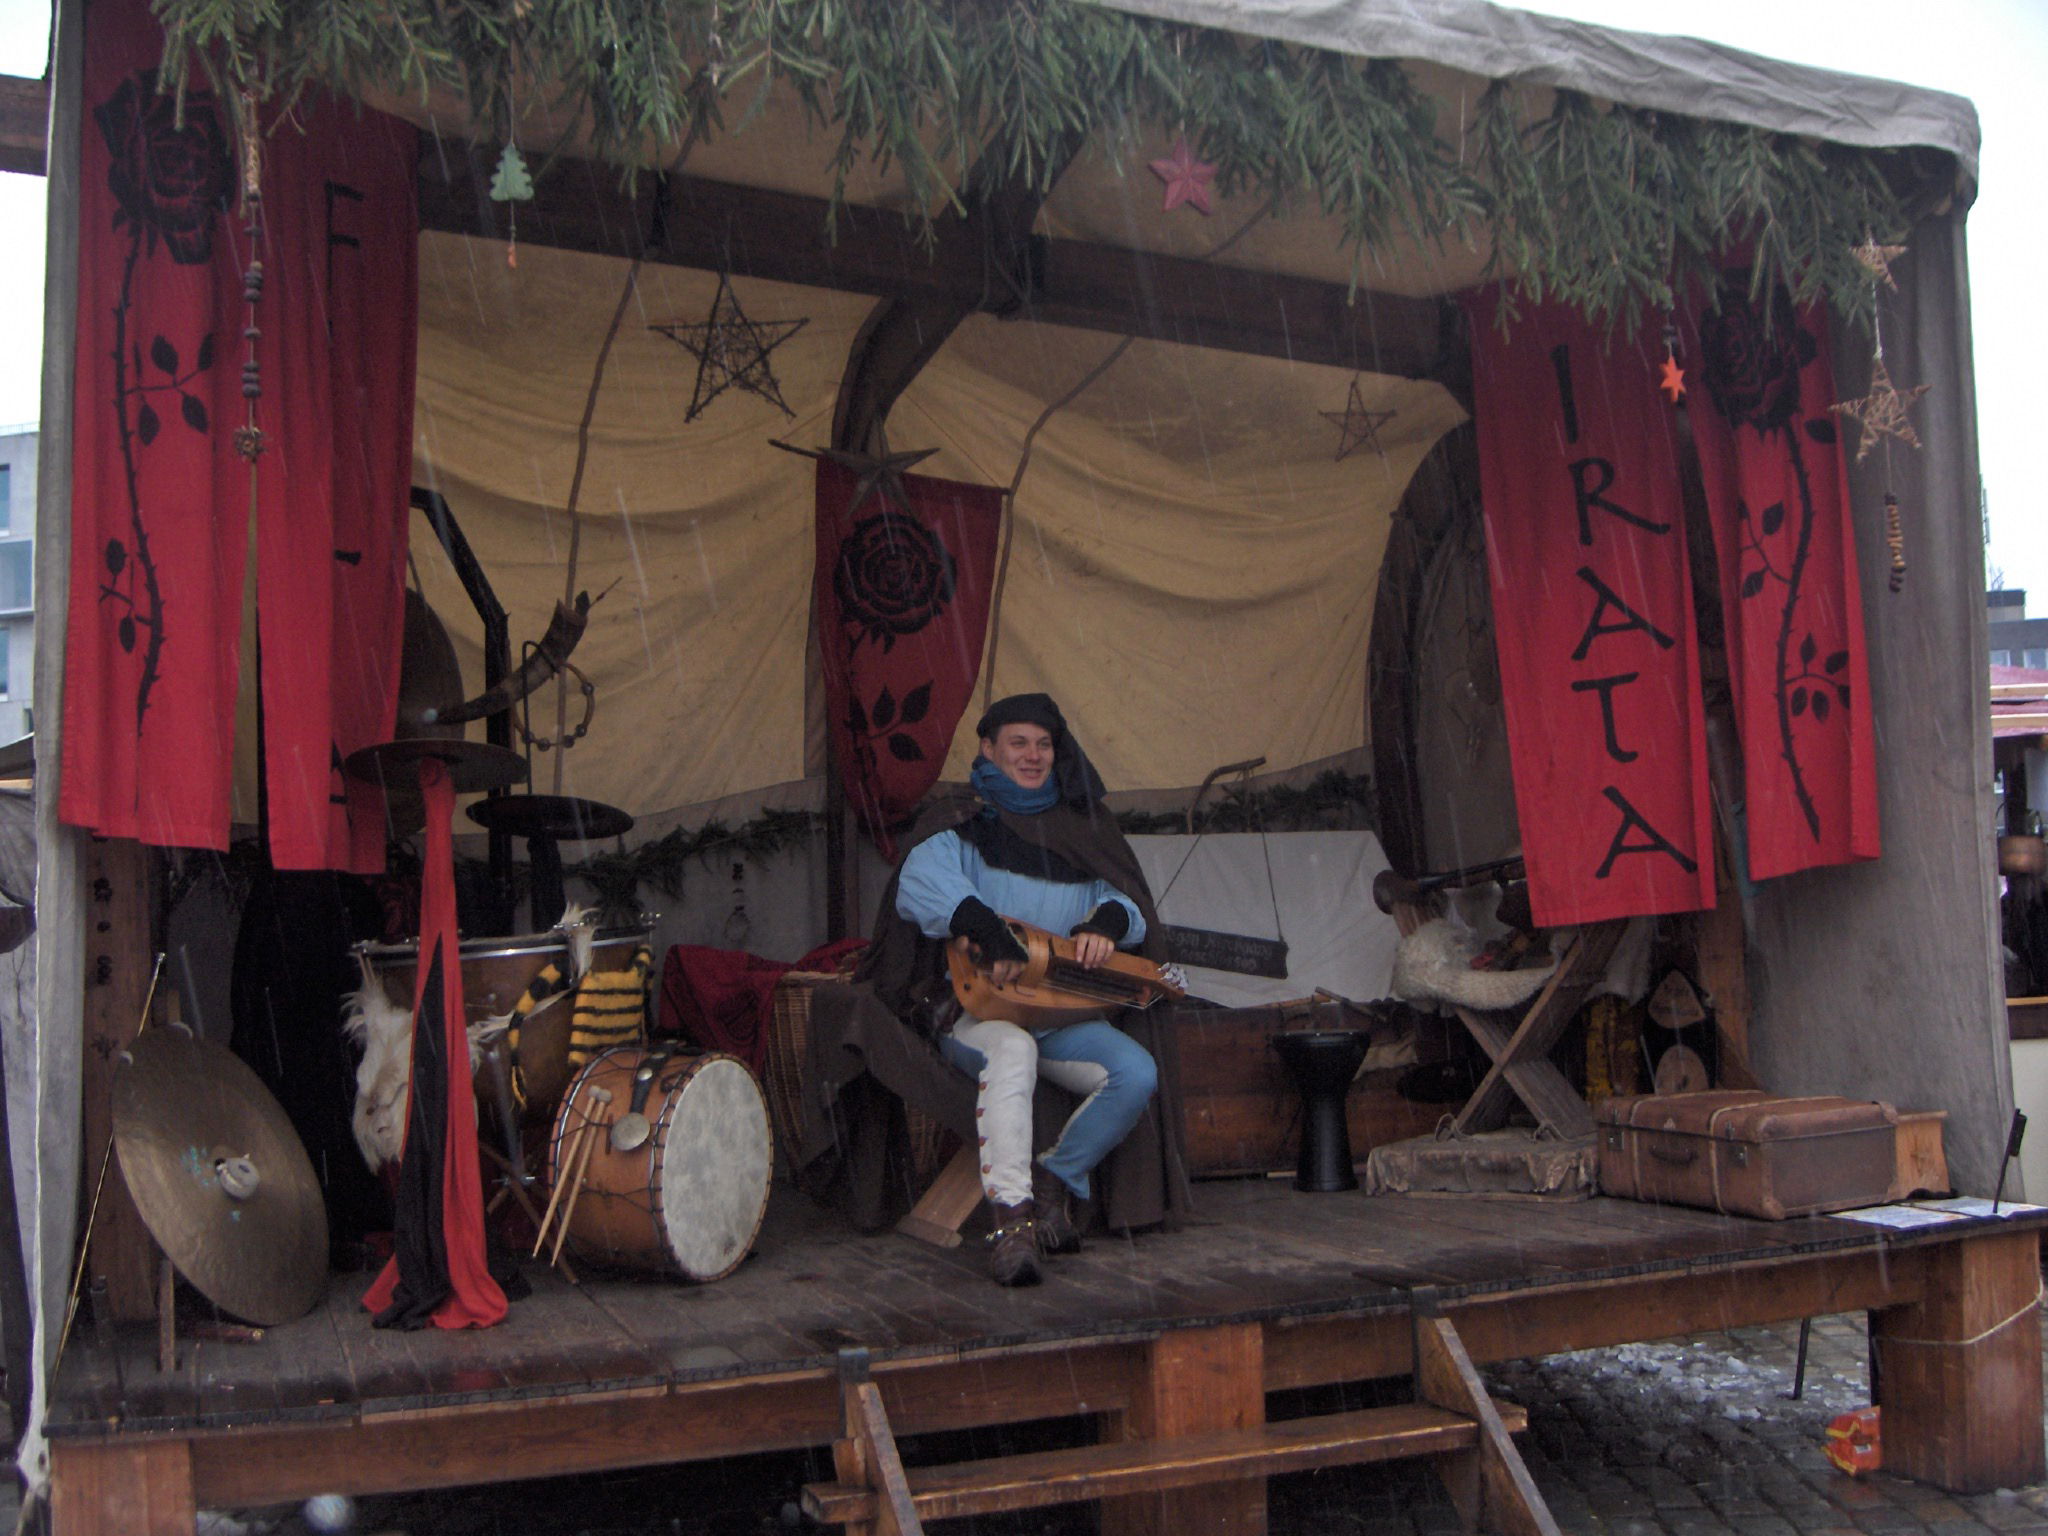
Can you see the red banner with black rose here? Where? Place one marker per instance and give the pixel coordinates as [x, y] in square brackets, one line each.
[902, 583]
[1593, 616]
[1778, 500]
[161, 487]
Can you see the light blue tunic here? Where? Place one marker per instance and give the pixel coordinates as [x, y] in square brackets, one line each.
[944, 870]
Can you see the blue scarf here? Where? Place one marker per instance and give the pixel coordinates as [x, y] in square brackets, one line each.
[999, 791]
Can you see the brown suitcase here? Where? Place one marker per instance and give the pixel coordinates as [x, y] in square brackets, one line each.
[1746, 1153]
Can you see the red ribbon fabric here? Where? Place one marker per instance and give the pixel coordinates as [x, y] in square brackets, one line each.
[160, 497]
[1592, 607]
[1778, 501]
[903, 602]
[438, 1272]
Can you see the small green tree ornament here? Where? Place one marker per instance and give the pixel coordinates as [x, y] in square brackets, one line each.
[512, 183]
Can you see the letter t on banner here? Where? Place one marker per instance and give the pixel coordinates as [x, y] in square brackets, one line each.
[1592, 610]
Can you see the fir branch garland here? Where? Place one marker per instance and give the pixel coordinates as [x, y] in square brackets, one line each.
[1608, 209]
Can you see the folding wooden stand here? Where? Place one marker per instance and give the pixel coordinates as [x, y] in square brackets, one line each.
[951, 1199]
[1520, 1055]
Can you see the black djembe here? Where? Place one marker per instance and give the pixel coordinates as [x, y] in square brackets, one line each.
[1322, 1063]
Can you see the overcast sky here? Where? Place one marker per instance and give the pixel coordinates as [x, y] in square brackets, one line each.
[1993, 51]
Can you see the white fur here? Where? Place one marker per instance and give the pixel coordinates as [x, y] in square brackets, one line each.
[1434, 964]
[384, 1031]
[580, 924]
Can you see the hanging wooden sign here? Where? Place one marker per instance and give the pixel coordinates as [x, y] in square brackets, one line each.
[1236, 952]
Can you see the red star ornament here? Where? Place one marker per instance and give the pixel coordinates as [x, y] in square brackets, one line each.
[1187, 179]
[1671, 379]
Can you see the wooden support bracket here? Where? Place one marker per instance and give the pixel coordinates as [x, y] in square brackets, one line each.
[951, 1199]
[866, 1455]
[1490, 1483]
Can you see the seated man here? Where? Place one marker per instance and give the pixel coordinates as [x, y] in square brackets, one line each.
[962, 882]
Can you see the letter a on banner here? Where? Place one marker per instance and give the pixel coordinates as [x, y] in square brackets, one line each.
[1592, 610]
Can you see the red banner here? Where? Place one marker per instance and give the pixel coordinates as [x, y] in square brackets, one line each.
[903, 597]
[161, 499]
[1592, 609]
[1778, 500]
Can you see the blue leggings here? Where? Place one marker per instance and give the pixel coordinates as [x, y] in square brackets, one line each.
[1114, 1075]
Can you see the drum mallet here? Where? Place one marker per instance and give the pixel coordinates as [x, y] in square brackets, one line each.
[602, 1098]
[565, 1165]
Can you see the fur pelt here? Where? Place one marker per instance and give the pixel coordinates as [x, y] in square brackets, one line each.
[1434, 964]
[383, 1029]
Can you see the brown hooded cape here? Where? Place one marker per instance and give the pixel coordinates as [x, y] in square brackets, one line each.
[873, 1032]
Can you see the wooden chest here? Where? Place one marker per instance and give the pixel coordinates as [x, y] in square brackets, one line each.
[1748, 1153]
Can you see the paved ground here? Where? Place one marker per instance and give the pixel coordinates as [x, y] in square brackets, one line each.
[1697, 1437]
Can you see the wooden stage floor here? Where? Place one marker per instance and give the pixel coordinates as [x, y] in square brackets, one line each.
[1314, 1289]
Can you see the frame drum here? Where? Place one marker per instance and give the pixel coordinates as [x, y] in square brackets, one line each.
[495, 974]
[688, 1199]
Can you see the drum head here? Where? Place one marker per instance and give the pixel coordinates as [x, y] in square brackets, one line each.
[716, 1162]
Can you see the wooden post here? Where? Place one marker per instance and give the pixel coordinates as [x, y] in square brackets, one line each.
[116, 980]
[138, 1488]
[1959, 1371]
[1196, 1379]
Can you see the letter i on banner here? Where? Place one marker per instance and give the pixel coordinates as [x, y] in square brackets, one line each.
[1592, 608]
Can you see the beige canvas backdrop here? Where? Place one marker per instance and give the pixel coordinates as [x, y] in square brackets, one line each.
[1191, 569]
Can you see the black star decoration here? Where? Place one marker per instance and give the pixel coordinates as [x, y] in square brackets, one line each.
[1357, 426]
[732, 351]
[879, 472]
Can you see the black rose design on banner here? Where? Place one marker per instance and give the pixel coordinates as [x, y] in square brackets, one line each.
[893, 577]
[170, 180]
[1752, 361]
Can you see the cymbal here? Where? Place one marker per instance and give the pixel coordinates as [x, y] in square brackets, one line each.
[220, 1178]
[473, 765]
[562, 817]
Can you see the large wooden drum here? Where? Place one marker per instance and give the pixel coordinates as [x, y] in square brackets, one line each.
[495, 974]
[675, 1165]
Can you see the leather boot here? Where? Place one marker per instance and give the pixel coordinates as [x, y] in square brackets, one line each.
[1057, 1231]
[1013, 1245]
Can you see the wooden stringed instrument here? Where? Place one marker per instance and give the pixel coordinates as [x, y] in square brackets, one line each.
[1054, 988]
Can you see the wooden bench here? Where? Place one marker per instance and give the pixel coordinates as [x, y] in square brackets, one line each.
[1453, 1421]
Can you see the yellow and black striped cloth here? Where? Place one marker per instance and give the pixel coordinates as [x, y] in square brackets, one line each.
[611, 1009]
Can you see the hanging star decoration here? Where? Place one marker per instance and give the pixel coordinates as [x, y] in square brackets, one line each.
[878, 473]
[1356, 425]
[1187, 179]
[1882, 412]
[1671, 378]
[1877, 260]
[732, 351]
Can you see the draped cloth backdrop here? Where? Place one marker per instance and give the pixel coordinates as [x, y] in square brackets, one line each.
[1778, 500]
[1592, 600]
[161, 498]
[903, 590]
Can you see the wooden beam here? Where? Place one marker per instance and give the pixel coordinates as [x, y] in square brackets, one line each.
[117, 979]
[133, 1488]
[759, 232]
[24, 125]
[1196, 1380]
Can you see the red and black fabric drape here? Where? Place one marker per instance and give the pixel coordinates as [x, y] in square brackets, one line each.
[902, 603]
[161, 507]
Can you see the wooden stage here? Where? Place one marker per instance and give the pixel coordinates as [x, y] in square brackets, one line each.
[1163, 1335]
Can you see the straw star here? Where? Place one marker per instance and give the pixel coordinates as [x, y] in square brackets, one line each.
[1187, 179]
[1877, 259]
[1356, 425]
[880, 473]
[732, 351]
[1882, 412]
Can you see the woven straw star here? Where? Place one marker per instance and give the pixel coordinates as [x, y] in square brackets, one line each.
[1357, 426]
[1882, 412]
[1877, 259]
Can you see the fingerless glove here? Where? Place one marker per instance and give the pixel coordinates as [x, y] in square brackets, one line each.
[1112, 920]
[977, 922]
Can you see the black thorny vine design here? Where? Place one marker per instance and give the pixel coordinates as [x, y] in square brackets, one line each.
[169, 180]
[1752, 364]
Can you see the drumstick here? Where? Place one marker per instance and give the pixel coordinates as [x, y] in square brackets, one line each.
[571, 1144]
[599, 1121]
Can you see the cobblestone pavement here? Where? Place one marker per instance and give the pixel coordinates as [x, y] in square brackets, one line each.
[1692, 1437]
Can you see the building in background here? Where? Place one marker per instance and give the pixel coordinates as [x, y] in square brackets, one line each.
[2016, 640]
[17, 588]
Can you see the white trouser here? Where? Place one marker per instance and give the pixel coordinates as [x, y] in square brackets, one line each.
[1008, 1077]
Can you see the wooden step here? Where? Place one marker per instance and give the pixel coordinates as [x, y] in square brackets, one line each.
[1145, 1466]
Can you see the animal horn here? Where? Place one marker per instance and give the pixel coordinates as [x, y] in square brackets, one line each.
[549, 656]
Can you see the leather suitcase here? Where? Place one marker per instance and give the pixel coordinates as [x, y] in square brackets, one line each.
[1746, 1153]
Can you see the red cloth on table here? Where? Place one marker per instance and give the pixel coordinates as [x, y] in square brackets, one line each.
[903, 599]
[438, 1273]
[1592, 605]
[1778, 500]
[160, 497]
[722, 999]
